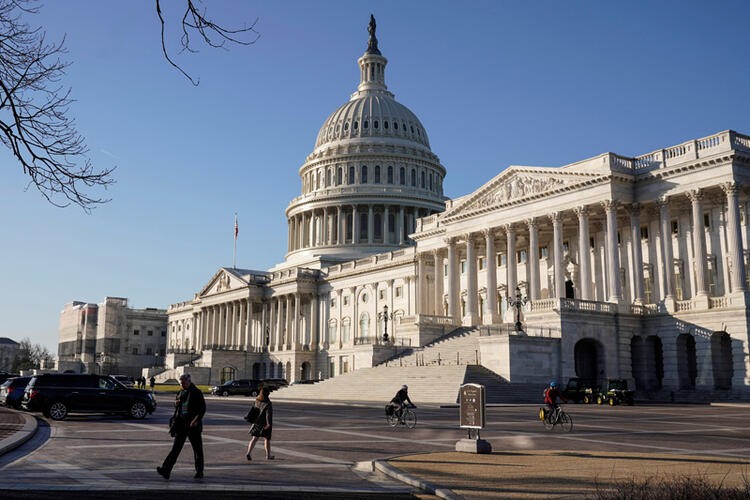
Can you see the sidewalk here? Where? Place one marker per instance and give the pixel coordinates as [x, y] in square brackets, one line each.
[506, 474]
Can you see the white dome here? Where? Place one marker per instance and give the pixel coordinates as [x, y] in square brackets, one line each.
[372, 115]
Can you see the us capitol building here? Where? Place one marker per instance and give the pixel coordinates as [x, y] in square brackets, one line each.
[609, 267]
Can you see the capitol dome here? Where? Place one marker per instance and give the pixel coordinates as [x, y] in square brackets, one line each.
[370, 176]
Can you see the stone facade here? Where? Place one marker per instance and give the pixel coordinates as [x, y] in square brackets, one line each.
[614, 266]
[111, 337]
[8, 353]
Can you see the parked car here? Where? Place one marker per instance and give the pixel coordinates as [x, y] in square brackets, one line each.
[11, 391]
[616, 393]
[244, 387]
[580, 390]
[58, 394]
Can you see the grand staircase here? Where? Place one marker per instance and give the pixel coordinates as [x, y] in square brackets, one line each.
[459, 347]
[427, 384]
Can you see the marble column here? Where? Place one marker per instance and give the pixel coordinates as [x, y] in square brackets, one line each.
[613, 252]
[699, 241]
[421, 299]
[438, 256]
[296, 333]
[339, 226]
[490, 315]
[370, 221]
[734, 236]
[355, 225]
[400, 225]
[584, 252]
[533, 263]
[557, 240]
[386, 238]
[667, 263]
[637, 257]
[511, 262]
[453, 283]
[472, 316]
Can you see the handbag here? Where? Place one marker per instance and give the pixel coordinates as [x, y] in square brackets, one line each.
[252, 414]
[173, 426]
[255, 430]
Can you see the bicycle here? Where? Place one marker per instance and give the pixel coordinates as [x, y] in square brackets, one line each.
[554, 418]
[408, 417]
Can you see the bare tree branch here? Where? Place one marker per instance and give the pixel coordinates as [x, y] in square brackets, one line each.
[34, 113]
[195, 20]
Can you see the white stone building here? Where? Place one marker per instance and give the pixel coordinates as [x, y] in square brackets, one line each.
[626, 267]
[111, 338]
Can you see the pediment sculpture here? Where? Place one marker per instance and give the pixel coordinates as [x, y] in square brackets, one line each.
[516, 187]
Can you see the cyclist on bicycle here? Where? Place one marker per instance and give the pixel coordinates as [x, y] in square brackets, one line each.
[400, 399]
[551, 394]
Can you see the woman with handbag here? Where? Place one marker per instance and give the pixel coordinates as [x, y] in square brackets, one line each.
[261, 418]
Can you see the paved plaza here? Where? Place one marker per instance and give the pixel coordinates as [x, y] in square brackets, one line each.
[327, 450]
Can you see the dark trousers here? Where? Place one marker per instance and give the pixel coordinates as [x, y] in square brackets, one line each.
[196, 441]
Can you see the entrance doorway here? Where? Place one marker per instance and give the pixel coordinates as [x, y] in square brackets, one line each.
[590, 360]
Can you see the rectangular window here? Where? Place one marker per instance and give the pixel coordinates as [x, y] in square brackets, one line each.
[381, 294]
[135, 350]
[332, 332]
[463, 266]
[163, 333]
[345, 333]
[707, 221]
[480, 263]
[647, 287]
[150, 333]
[501, 260]
[136, 332]
[644, 233]
[333, 302]
[675, 227]
[149, 350]
[346, 300]
[398, 291]
[566, 247]
[445, 270]
[591, 243]
[619, 241]
[543, 252]
[521, 256]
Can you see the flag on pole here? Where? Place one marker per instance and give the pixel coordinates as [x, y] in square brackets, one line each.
[236, 227]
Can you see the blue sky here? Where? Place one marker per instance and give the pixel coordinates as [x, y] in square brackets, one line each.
[495, 83]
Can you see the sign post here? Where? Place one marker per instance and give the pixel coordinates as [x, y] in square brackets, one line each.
[472, 417]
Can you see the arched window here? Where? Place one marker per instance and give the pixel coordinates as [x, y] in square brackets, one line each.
[402, 176]
[351, 175]
[345, 329]
[431, 181]
[377, 175]
[363, 179]
[423, 179]
[390, 174]
[339, 175]
[413, 177]
[328, 178]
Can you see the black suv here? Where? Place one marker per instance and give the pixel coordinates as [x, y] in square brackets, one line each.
[57, 394]
[245, 387]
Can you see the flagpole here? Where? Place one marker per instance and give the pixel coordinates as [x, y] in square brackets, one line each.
[234, 254]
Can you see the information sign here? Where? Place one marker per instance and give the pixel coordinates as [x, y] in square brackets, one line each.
[472, 414]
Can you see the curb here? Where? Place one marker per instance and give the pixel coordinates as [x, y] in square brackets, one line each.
[20, 436]
[433, 489]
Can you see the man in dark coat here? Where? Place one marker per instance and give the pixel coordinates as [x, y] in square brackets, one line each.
[190, 406]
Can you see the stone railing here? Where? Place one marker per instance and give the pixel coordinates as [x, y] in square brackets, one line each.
[718, 302]
[587, 305]
[542, 305]
[683, 305]
[691, 150]
[529, 330]
[643, 309]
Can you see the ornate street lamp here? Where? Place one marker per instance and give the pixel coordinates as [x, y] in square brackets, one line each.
[518, 302]
[385, 324]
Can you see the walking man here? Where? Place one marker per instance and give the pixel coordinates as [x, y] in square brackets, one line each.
[190, 406]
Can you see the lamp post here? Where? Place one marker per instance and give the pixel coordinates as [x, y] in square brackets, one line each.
[518, 302]
[385, 324]
[192, 355]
